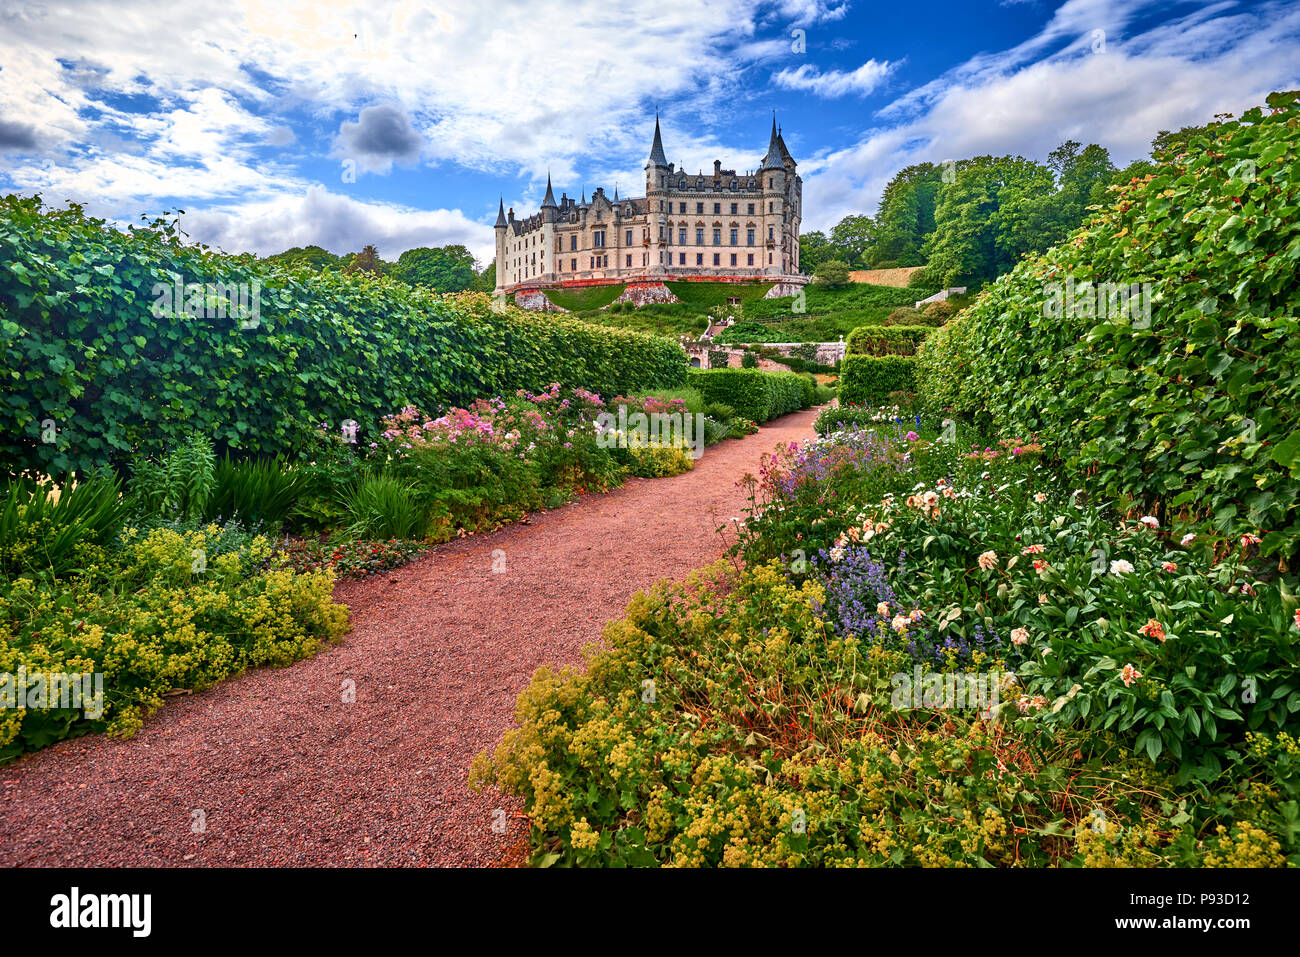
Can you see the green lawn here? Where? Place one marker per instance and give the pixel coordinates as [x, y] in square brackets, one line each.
[582, 299]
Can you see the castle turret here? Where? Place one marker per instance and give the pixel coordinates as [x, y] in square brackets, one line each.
[773, 159]
[657, 157]
[500, 230]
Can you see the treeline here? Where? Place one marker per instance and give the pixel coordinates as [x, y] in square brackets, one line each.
[971, 220]
[441, 268]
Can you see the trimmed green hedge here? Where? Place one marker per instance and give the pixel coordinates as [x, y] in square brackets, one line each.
[886, 340]
[96, 360]
[865, 380]
[754, 394]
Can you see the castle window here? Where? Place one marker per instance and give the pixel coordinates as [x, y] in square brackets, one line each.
[769, 259]
[771, 206]
[699, 237]
[717, 259]
[681, 259]
[769, 182]
[699, 259]
[749, 237]
[573, 264]
[699, 207]
[717, 207]
[751, 259]
[629, 238]
[629, 259]
[751, 209]
[573, 243]
[717, 237]
[681, 236]
[734, 206]
[734, 234]
[598, 238]
[682, 206]
[733, 259]
[770, 236]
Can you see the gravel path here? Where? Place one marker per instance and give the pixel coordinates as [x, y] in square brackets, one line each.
[273, 768]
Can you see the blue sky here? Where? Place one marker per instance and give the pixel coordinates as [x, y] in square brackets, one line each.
[290, 122]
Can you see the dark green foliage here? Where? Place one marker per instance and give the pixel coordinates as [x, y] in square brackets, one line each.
[257, 491]
[444, 268]
[867, 380]
[381, 507]
[754, 395]
[178, 485]
[744, 332]
[833, 274]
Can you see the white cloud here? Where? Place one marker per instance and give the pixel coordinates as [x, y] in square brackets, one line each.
[834, 83]
[341, 224]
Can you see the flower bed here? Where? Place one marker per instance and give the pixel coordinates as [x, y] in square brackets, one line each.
[932, 653]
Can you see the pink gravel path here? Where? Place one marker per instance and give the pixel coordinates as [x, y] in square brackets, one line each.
[285, 773]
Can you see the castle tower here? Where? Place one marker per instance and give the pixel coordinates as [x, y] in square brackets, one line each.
[500, 231]
[773, 175]
[657, 169]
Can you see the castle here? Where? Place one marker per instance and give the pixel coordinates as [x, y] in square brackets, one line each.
[722, 227]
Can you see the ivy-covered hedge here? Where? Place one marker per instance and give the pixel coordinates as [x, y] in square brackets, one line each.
[101, 364]
[886, 340]
[754, 394]
[869, 379]
[1192, 407]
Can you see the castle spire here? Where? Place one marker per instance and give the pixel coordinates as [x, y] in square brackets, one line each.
[550, 196]
[657, 157]
[501, 213]
[773, 159]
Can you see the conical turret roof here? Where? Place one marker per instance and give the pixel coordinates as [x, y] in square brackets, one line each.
[773, 159]
[657, 157]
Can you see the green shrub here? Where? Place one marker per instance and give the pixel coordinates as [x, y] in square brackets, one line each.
[381, 507]
[753, 394]
[1196, 412]
[866, 380]
[743, 332]
[906, 316]
[45, 532]
[748, 360]
[257, 491]
[939, 312]
[886, 340]
[180, 485]
[150, 619]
